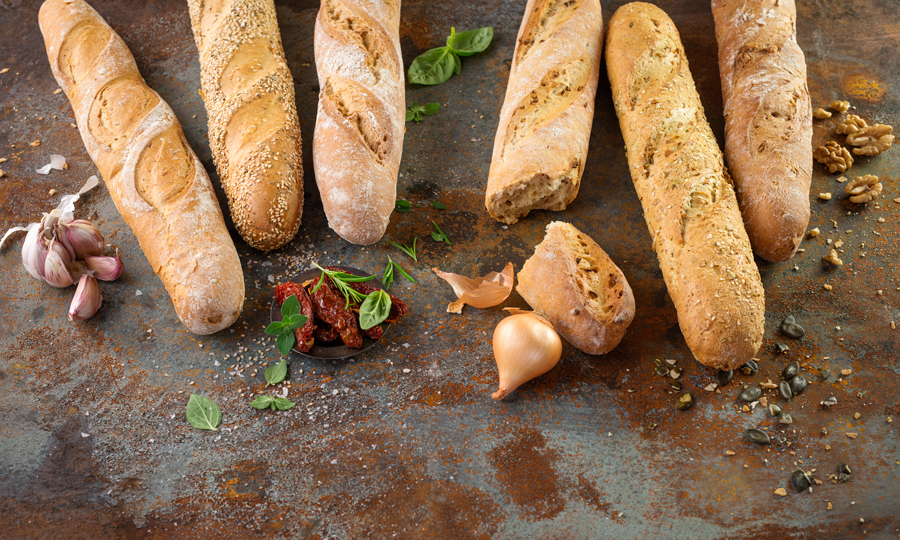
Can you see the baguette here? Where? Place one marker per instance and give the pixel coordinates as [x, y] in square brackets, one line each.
[572, 282]
[545, 123]
[687, 196]
[768, 120]
[254, 133]
[153, 176]
[358, 139]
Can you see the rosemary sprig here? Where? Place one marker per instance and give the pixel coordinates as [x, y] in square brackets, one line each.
[411, 251]
[342, 280]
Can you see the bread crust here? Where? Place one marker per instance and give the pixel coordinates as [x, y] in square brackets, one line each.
[154, 178]
[545, 123]
[550, 283]
[254, 133]
[688, 200]
[358, 139]
[768, 120]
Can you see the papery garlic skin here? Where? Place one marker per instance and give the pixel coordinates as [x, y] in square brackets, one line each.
[525, 346]
[34, 253]
[87, 299]
[84, 238]
[105, 268]
[56, 266]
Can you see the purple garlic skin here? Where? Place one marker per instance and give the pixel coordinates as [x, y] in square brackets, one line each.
[34, 253]
[56, 266]
[84, 238]
[105, 268]
[87, 299]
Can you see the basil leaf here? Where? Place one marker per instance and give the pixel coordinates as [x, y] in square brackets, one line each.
[434, 66]
[285, 342]
[275, 374]
[374, 310]
[404, 274]
[262, 402]
[402, 206]
[471, 42]
[275, 328]
[388, 274]
[203, 413]
[291, 306]
[409, 116]
[441, 236]
[296, 321]
[436, 236]
[430, 108]
[283, 404]
[439, 205]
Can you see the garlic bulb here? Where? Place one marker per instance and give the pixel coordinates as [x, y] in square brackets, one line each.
[87, 299]
[525, 346]
[56, 266]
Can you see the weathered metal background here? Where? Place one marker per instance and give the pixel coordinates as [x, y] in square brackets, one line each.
[93, 437]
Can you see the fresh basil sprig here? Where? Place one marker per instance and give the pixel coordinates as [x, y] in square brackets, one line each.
[341, 280]
[411, 251]
[375, 309]
[437, 65]
[439, 205]
[275, 374]
[439, 236]
[401, 205]
[416, 111]
[203, 413]
[291, 319]
[265, 402]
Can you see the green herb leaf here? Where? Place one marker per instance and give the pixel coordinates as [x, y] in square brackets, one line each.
[275, 374]
[203, 413]
[275, 328]
[439, 236]
[439, 205]
[341, 279]
[434, 66]
[388, 274]
[321, 280]
[402, 206]
[285, 342]
[436, 236]
[262, 402]
[375, 309]
[410, 116]
[470, 42]
[411, 251]
[283, 404]
[403, 273]
[296, 321]
[291, 306]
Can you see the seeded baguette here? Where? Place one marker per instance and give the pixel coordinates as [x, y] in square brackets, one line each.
[358, 139]
[545, 123]
[572, 282]
[687, 196]
[254, 133]
[768, 120]
[154, 178]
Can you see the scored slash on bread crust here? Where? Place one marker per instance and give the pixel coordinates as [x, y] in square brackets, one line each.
[358, 139]
[572, 282]
[254, 133]
[768, 120]
[688, 200]
[154, 178]
[545, 123]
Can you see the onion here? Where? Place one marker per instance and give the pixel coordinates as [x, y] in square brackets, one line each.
[525, 346]
[481, 292]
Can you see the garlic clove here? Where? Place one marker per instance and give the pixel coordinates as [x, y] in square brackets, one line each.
[87, 299]
[56, 266]
[34, 252]
[105, 268]
[525, 346]
[59, 232]
[84, 238]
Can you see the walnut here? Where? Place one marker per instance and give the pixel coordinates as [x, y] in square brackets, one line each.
[834, 156]
[851, 125]
[840, 106]
[833, 258]
[872, 140]
[821, 114]
[863, 189]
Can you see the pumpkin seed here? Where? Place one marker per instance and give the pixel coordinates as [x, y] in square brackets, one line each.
[824, 373]
[662, 371]
[751, 393]
[791, 329]
[844, 468]
[830, 402]
[784, 418]
[676, 385]
[798, 385]
[781, 347]
[758, 436]
[843, 477]
[684, 402]
[750, 368]
[790, 371]
[676, 372]
[785, 389]
[775, 410]
[724, 377]
[799, 480]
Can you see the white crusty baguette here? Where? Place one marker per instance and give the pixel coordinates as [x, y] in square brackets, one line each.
[358, 138]
[681, 180]
[153, 176]
[768, 120]
[254, 133]
[572, 282]
[545, 123]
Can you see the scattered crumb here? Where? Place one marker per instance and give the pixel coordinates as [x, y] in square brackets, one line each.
[890, 420]
[729, 453]
[897, 200]
[846, 371]
[57, 91]
[2, 160]
[52, 192]
[814, 232]
[455, 307]
[35, 143]
[851, 435]
[781, 492]
[2, 173]
[821, 114]
[827, 447]
[856, 416]
[825, 196]
[827, 287]
[4, 70]
[829, 506]
[842, 179]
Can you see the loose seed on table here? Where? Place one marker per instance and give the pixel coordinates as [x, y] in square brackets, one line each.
[791, 329]
[750, 368]
[798, 385]
[684, 401]
[799, 480]
[781, 347]
[758, 436]
[751, 393]
[785, 390]
[662, 371]
[724, 377]
[775, 410]
[785, 418]
[830, 402]
[844, 468]
[790, 371]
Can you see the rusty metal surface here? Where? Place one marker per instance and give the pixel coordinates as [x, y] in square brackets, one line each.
[94, 442]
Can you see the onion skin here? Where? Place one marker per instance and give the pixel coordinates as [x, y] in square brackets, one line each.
[525, 346]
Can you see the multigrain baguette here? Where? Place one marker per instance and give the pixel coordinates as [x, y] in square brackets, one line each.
[545, 123]
[572, 282]
[358, 138]
[687, 196]
[254, 133]
[153, 176]
[768, 120]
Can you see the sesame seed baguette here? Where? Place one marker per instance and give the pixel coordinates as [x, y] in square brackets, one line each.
[768, 120]
[254, 133]
[154, 178]
[545, 122]
[358, 139]
[687, 196]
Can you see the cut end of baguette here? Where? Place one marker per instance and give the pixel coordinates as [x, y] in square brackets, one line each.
[540, 192]
[595, 281]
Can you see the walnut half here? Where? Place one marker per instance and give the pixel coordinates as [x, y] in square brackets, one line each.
[834, 156]
[871, 140]
[840, 106]
[863, 189]
[851, 125]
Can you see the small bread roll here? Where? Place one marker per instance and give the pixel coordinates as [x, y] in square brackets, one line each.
[572, 282]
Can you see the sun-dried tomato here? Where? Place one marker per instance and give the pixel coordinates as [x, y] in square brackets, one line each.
[330, 308]
[304, 334]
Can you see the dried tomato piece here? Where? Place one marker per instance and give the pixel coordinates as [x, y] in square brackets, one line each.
[304, 334]
[325, 333]
[330, 308]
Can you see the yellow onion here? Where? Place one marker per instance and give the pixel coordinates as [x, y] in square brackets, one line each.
[481, 292]
[525, 346]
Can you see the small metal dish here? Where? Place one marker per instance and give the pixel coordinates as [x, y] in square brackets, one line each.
[333, 350]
